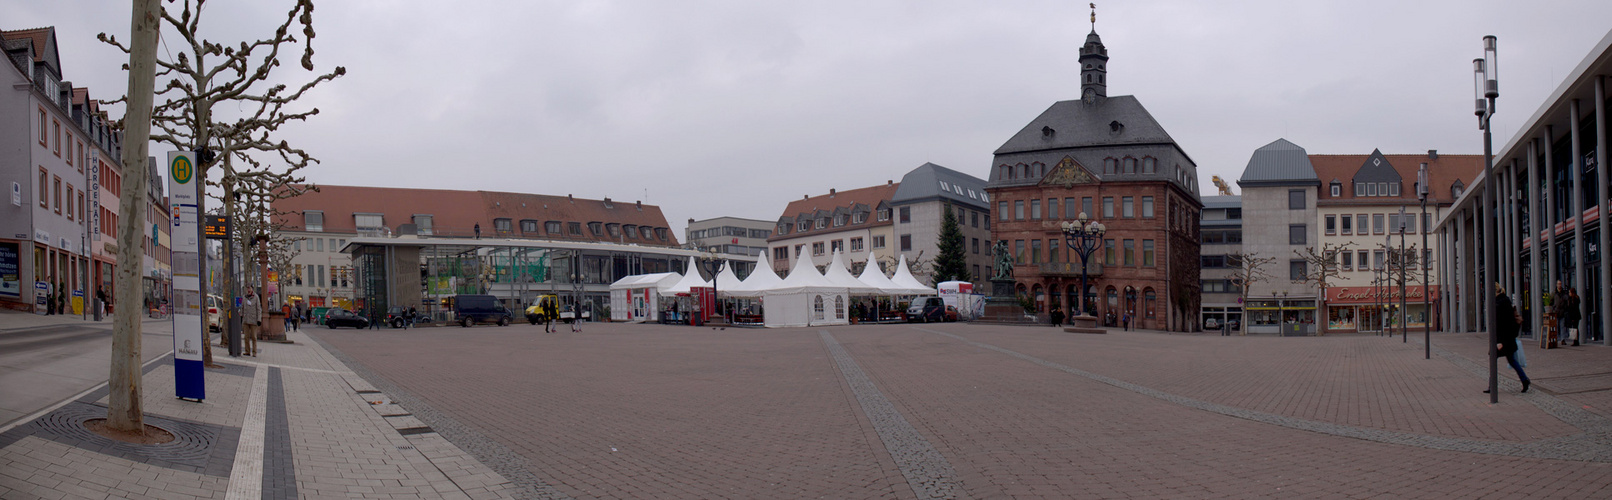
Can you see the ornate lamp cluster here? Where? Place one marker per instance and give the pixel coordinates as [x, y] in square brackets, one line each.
[1083, 235]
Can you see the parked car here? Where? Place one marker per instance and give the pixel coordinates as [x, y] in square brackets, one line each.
[471, 309]
[398, 317]
[926, 309]
[342, 317]
[535, 314]
[215, 305]
[951, 313]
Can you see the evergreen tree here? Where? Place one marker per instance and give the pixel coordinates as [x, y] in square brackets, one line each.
[951, 263]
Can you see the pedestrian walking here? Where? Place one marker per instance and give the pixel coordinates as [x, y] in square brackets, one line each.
[1125, 321]
[1506, 334]
[1057, 317]
[1574, 315]
[547, 309]
[413, 313]
[296, 317]
[252, 319]
[1558, 309]
[285, 309]
[576, 321]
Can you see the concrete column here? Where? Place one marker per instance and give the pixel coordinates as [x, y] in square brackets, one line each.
[1444, 259]
[1513, 233]
[1461, 264]
[1575, 206]
[1549, 225]
[1502, 173]
[1535, 220]
[1601, 196]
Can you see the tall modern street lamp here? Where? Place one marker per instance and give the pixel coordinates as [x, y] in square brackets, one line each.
[1486, 87]
[1404, 269]
[712, 264]
[1083, 235]
[1422, 177]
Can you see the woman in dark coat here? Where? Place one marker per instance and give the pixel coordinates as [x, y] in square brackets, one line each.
[1506, 333]
[1574, 313]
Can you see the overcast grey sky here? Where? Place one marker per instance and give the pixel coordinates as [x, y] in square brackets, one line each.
[713, 108]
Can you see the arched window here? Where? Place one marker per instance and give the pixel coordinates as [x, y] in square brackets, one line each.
[1110, 165]
[1113, 299]
[1007, 172]
[1149, 303]
[1130, 165]
[839, 307]
[817, 306]
[1150, 165]
[1040, 299]
[1024, 170]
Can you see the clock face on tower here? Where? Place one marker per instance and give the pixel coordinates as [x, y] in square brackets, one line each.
[1090, 96]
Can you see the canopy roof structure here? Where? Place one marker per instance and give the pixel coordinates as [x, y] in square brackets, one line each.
[725, 278]
[904, 280]
[874, 277]
[803, 278]
[840, 275]
[761, 278]
[659, 281]
[689, 281]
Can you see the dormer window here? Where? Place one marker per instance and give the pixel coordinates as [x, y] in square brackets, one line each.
[859, 217]
[884, 214]
[840, 220]
[783, 229]
[803, 226]
[1110, 166]
[1337, 188]
[822, 222]
[631, 230]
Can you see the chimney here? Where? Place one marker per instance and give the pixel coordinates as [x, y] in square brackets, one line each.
[1432, 154]
[806, 197]
[888, 182]
[640, 205]
[570, 198]
[830, 192]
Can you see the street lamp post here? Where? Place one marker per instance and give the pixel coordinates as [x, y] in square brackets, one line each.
[1404, 267]
[1083, 235]
[712, 265]
[1422, 178]
[1486, 87]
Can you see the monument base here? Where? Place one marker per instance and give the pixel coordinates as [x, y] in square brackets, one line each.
[1003, 306]
[1083, 324]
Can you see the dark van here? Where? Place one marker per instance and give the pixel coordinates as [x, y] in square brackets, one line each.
[472, 309]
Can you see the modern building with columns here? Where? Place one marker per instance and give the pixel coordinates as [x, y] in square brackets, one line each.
[1552, 213]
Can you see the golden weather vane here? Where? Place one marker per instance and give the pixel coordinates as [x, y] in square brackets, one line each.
[1094, 16]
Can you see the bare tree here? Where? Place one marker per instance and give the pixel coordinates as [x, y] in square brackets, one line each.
[124, 412]
[1321, 268]
[1248, 269]
[204, 76]
[1399, 272]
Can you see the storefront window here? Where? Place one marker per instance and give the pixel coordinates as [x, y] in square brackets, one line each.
[1341, 318]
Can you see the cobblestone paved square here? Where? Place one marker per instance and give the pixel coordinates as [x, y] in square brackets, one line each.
[983, 411]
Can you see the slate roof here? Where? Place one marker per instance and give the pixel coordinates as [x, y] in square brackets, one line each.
[1074, 124]
[1279, 163]
[924, 183]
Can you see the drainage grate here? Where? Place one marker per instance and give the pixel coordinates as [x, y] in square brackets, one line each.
[410, 431]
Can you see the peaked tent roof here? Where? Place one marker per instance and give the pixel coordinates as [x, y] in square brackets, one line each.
[1279, 163]
[840, 275]
[903, 279]
[803, 278]
[690, 280]
[761, 278]
[874, 277]
[725, 278]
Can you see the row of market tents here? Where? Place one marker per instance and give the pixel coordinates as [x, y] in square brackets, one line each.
[805, 297]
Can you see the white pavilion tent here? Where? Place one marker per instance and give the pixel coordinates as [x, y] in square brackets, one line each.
[690, 280]
[910, 285]
[760, 279]
[838, 274]
[805, 298]
[633, 298]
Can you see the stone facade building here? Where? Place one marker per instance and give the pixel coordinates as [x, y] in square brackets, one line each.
[1106, 157]
[920, 204]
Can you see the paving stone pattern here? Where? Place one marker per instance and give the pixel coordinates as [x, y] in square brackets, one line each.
[925, 469]
[652, 411]
[279, 474]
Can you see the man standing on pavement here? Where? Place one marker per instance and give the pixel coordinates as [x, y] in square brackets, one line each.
[1558, 308]
[251, 318]
[1506, 333]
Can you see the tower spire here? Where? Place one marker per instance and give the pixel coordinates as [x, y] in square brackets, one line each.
[1093, 64]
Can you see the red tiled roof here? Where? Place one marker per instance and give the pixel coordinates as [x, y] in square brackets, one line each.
[1445, 170]
[37, 36]
[456, 213]
[870, 196]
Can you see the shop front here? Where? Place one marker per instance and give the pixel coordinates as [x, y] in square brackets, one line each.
[1283, 316]
[1377, 309]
